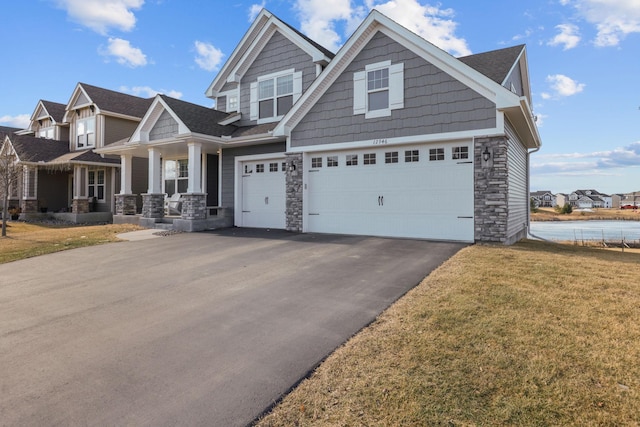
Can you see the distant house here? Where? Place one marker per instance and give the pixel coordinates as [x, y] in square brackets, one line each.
[588, 199]
[543, 199]
[562, 199]
[632, 199]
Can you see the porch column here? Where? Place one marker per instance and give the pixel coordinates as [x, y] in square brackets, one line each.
[80, 202]
[125, 173]
[155, 173]
[29, 189]
[195, 168]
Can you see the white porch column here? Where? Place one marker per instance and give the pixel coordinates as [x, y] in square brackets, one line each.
[77, 182]
[155, 173]
[195, 168]
[125, 173]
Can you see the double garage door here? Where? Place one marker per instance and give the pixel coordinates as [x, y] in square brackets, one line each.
[422, 191]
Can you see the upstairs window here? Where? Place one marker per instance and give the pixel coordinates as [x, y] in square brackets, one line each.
[272, 96]
[86, 133]
[46, 133]
[232, 103]
[378, 89]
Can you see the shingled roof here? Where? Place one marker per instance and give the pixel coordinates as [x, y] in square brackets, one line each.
[7, 130]
[494, 64]
[117, 102]
[32, 149]
[199, 119]
[55, 110]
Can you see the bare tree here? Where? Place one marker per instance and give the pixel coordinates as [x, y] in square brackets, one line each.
[9, 176]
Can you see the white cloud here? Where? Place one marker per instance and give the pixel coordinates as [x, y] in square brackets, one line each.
[148, 92]
[208, 56]
[20, 121]
[430, 22]
[124, 53]
[255, 9]
[101, 15]
[595, 162]
[319, 20]
[614, 19]
[562, 86]
[568, 37]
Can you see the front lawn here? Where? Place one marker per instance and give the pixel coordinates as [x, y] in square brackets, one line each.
[535, 334]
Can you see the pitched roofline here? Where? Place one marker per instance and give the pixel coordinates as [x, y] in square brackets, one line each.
[377, 21]
[253, 41]
[155, 110]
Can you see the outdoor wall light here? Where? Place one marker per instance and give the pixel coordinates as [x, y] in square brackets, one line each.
[292, 167]
[486, 155]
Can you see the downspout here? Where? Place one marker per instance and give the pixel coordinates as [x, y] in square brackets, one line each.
[529, 153]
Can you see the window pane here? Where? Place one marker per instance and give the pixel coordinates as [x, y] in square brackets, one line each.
[100, 192]
[265, 89]
[100, 177]
[378, 79]
[170, 187]
[92, 191]
[91, 139]
[379, 100]
[284, 104]
[316, 162]
[80, 128]
[260, 168]
[184, 168]
[266, 108]
[370, 159]
[182, 185]
[391, 157]
[352, 159]
[273, 167]
[92, 177]
[332, 161]
[285, 85]
[170, 169]
[90, 125]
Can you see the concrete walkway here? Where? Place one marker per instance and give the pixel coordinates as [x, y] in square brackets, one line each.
[190, 329]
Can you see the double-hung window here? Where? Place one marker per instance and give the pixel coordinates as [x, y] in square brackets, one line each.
[96, 184]
[86, 132]
[46, 133]
[176, 176]
[272, 96]
[378, 89]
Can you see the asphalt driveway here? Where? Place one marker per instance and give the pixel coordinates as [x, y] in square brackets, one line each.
[191, 329]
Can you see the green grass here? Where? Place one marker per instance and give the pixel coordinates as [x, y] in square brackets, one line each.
[535, 334]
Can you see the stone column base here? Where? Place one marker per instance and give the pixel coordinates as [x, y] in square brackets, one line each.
[80, 206]
[126, 204]
[29, 206]
[294, 192]
[194, 206]
[153, 205]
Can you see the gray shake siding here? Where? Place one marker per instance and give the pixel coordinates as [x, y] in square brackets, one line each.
[517, 196]
[165, 127]
[228, 166]
[434, 102]
[279, 54]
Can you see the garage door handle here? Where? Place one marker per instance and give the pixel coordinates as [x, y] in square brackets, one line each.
[467, 217]
[379, 200]
[462, 163]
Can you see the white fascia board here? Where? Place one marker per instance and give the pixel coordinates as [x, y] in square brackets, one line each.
[403, 140]
[239, 51]
[118, 115]
[74, 96]
[158, 106]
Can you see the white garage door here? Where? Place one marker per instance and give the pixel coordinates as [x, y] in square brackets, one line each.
[421, 191]
[262, 198]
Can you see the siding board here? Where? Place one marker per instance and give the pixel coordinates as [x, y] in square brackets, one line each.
[518, 204]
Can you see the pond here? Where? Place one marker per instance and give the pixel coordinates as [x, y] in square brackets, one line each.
[587, 230]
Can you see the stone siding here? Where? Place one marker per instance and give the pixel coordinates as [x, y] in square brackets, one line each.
[80, 206]
[194, 206]
[294, 192]
[491, 190]
[126, 204]
[153, 205]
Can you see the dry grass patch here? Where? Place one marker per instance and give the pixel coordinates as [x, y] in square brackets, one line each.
[25, 240]
[533, 334]
[549, 214]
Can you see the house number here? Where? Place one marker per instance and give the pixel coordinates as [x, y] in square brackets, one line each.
[379, 141]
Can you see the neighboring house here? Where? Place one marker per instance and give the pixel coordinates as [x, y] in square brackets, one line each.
[562, 199]
[587, 199]
[391, 137]
[62, 174]
[632, 199]
[543, 199]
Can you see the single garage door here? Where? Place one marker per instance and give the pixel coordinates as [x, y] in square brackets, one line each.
[262, 198]
[422, 191]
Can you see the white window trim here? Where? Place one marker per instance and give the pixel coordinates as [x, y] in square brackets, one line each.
[96, 185]
[396, 89]
[163, 177]
[254, 110]
[86, 139]
[227, 94]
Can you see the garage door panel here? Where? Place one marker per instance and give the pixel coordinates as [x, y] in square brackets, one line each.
[421, 198]
[263, 201]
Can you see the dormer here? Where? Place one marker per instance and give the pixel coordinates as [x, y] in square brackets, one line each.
[99, 116]
[47, 121]
[267, 72]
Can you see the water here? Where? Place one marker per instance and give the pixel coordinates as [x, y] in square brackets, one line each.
[587, 230]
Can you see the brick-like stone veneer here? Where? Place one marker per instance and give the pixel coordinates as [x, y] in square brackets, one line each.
[294, 192]
[126, 204]
[491, 190]
[80, 206]
[194, 206]
[153, 205]
[29, 206]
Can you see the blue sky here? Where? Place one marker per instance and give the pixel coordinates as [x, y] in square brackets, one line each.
[584, 59]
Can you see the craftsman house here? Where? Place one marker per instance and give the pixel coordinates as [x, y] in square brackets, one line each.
[63, 176]
[391, 136]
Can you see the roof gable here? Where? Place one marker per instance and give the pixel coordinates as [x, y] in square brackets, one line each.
[31, 149]
[377, 22]
[108, 102]
[254, 40]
